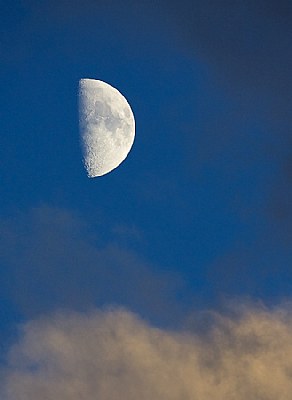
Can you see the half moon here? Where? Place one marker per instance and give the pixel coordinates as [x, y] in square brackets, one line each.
[107, 126]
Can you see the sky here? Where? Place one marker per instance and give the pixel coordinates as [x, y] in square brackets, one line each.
[170, 277]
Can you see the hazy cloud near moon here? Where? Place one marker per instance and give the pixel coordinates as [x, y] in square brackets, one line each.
[114, 355]
[59, 263]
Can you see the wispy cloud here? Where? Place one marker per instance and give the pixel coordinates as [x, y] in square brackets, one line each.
[53, 260]
[114, 355]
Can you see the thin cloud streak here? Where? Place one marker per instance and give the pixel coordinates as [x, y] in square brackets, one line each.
[113, 354]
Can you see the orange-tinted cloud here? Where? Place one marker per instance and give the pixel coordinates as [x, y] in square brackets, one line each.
[115, 355]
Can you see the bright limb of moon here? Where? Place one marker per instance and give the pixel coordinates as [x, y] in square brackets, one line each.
[107, 126]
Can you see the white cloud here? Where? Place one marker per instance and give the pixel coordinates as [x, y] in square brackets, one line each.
[111, 355]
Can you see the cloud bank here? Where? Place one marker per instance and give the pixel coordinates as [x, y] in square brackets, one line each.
[113, 354]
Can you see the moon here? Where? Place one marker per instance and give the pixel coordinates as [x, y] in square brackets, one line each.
[106, 124]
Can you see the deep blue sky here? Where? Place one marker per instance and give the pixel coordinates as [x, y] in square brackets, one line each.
[201, 209]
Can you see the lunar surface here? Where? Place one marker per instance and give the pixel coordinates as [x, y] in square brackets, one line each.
[107, 126]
